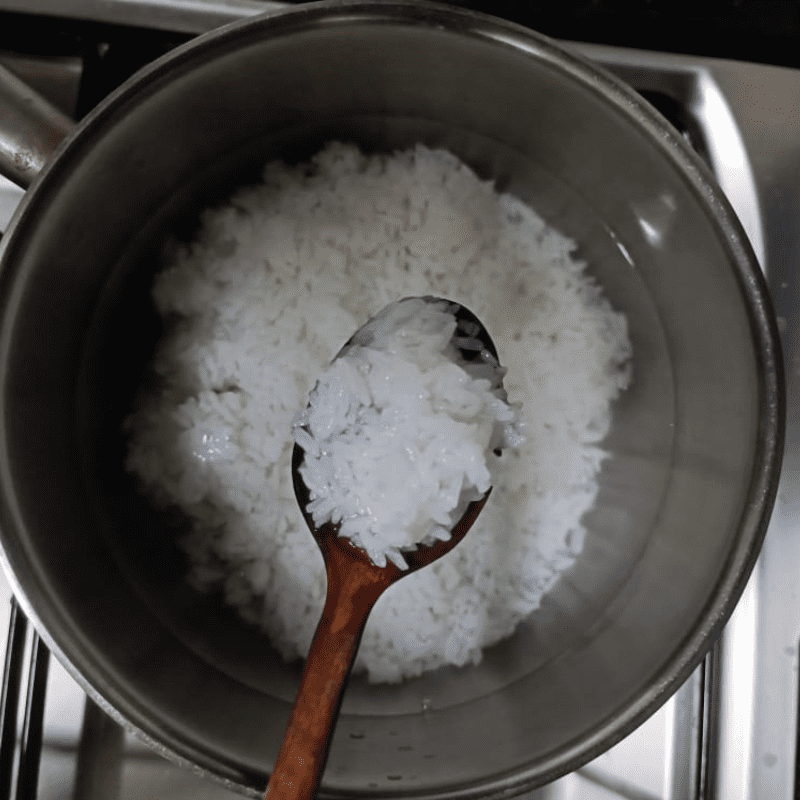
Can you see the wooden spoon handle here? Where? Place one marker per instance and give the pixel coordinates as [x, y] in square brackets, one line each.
[304, 751]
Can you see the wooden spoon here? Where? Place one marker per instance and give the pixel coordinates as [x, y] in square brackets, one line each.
[354, 585]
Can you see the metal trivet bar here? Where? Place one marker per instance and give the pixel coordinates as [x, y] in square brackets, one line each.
[20, 753]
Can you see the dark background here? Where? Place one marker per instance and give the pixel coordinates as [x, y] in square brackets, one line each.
[765, 31]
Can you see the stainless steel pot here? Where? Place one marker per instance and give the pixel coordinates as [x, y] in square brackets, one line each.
[696, 441]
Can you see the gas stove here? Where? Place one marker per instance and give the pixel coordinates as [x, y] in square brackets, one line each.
[731, 731]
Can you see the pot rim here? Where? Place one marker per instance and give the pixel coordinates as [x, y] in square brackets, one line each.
[466, 23]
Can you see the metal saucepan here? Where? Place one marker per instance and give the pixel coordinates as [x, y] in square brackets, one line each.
[696, 440]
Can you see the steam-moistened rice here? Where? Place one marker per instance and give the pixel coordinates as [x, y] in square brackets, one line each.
[399, 430]
[273, 286]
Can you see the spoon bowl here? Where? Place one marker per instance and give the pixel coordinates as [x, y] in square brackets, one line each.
[333, 545]
[354, 585]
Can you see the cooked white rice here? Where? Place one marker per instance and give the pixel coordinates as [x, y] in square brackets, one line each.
[275, 283]
[398, 436]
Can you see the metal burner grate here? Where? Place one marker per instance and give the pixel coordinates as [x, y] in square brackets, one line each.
[20, 756]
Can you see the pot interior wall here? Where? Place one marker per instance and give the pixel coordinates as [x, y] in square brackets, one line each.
[608, 641]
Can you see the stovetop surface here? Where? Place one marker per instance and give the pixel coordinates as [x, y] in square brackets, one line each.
[730, 732]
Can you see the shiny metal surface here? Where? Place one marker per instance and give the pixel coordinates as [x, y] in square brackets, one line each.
[711, 758]
[700, 431]
[32, 129]
[751, 119]
[761, 710]
[57, 80]
[182, 16]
